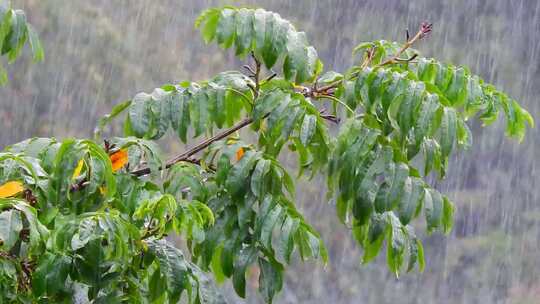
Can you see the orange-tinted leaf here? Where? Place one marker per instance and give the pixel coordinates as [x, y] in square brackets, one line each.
[10, 189]
[119, 159]
[78, 169]
[239, 154]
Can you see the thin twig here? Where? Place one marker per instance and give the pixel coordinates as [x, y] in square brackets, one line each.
[338, 101]
[257, 74]
[407, 60]
[247, 67]
[425, 29]
[331, 118]
[274, 74]
[369, 58]
[329, 87]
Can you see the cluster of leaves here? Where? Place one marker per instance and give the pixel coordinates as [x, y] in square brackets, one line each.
[406, 109]
[282, 116]
[85, 220]
[15, 32]
[251, 200]
[216, 103]
[76, 224]
[265, 34]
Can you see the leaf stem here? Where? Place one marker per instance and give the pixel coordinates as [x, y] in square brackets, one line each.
[257, 74]
[338, 101]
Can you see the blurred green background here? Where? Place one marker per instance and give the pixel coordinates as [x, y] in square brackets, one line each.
[101, 52]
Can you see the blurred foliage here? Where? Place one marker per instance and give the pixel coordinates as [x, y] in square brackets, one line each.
[15, 33]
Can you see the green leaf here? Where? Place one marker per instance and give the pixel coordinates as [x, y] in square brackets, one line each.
[51, 274]
[286, 240]
[424, 123]
[362, 209]
[199, 112]
[140, 115]
[211, 18]
[267, 47]
[15, 32]
[397, 239]
[464, 134]
[413, 193]
[244, 258]
[180, 275]
[376, 234]
[269, 222]
[38, 232]
[157, 290]
[268, 103]
[415, 248]
[270, 279]
[173, 266]
[226, 29]
[180, 116]
[10, 227]
[35, 44]
[296, 61]
[308, 129]
[105, 120]
[448, 215]
[265, 34]
[227, 259]
[240, 172]
[18, 35]
[258, 182]
[396, 184]
[244, 31]
[432, 157]
[456, 90]
[277, 31]
[330, 77]
[427, 70]
[421, 260]
[433, 208]
[448, 131]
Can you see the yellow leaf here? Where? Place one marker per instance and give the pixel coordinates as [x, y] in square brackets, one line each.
[103, 190]
[239, 154]
[119, 159]
[10, 189]
[78, 169]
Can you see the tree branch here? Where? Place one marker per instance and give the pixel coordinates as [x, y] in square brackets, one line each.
[186, 156]
[201, 146]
